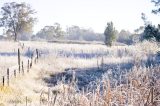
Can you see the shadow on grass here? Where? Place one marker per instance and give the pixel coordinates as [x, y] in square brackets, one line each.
[8, 54]
[86, 76]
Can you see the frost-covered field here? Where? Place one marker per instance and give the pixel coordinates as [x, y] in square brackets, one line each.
[81, 74]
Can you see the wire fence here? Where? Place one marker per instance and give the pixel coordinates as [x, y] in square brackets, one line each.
[23, 67]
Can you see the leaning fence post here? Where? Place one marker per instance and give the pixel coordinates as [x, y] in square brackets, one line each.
[3, 80]
[8, 76]
[19, 61]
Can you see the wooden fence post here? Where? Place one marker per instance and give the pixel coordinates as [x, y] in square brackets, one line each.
[37, 54]
[97, 63]
[31, 60]
[31, 64]
[102, 64]
[28, 66]
[22, 68]
[19, 61]
[29, 55]
[8, 76]
[26, 101]
[3, 80]
[35, 60]
[48, 95]
[15, 73]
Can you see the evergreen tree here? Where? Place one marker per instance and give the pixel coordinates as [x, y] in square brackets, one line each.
[110, 34]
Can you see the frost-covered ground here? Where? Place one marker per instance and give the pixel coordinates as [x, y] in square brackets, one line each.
[87, 65]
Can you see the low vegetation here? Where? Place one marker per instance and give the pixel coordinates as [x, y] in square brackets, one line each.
[101, 76]
[77, 66]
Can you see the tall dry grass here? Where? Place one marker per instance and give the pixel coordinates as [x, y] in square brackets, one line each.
[137, 86]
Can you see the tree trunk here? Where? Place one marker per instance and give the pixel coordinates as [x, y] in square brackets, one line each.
[15, 36]
[14, 28]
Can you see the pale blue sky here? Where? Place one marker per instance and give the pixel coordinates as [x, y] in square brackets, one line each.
[125, 14]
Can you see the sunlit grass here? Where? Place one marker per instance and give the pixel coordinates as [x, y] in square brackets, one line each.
[32, 86]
